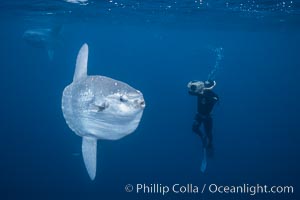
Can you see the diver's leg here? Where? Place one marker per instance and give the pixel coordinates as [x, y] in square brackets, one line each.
[196, 128]
[196, 125]
[208, 125]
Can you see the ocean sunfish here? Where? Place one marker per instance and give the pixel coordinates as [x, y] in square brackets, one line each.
[98, 107]
[44, 38]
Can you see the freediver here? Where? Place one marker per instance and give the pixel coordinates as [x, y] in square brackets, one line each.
[206, 101]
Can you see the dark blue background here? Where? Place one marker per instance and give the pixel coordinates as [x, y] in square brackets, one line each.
[255, 124]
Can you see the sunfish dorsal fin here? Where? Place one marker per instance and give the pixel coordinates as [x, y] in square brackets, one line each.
[81, 63]
[89, 153]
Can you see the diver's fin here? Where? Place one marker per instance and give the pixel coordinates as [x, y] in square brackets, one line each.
[204, 162]
[81, 63]
[89, 153]
[50, 54]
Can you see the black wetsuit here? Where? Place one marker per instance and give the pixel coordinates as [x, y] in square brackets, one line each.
[206, 102]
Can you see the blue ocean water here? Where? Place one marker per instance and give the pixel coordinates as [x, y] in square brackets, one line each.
[157, 47]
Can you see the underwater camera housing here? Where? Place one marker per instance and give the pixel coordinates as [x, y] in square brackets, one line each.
[195, 86]
[199, 86]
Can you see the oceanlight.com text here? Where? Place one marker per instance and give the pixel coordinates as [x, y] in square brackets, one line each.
[250, 189]
[246, 189]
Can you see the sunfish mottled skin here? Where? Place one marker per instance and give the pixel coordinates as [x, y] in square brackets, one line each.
[98, 107]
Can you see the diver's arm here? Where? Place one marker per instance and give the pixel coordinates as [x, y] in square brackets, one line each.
[211, 87]
[216, 98]
[212, 96]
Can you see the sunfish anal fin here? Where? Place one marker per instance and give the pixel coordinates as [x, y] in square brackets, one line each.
[81, 63]
[204, 162]
[89, 153]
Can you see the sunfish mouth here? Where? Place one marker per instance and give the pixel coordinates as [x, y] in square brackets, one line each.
[143, 104]
[135, 97]
[140, 103]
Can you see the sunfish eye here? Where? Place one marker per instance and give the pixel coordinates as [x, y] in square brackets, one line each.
[123, 98]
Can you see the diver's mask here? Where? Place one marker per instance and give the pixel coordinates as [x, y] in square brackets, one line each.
[196, 86]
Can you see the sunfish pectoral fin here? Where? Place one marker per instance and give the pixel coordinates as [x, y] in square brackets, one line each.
[98, 107]
[89, 153]
[81, 63]
[204, 162]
